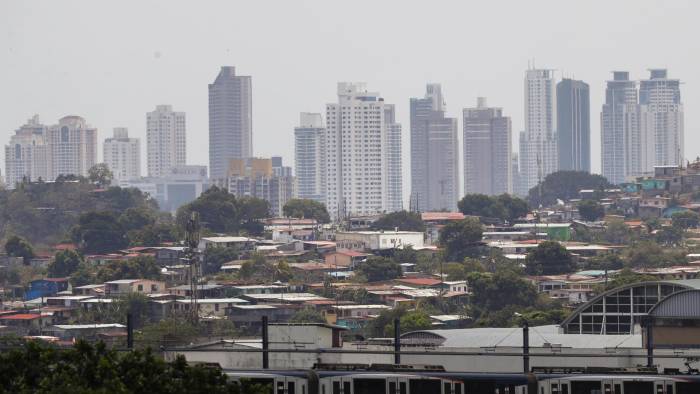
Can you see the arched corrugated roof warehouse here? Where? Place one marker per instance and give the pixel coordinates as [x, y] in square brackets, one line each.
[683, 304]
[616, 311]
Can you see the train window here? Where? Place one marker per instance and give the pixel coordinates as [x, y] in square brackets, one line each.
[618, 388]
[303, 389]
[458, 388]
[564, 388]
[367, 386]
[607, 388]
[424, 385]
[280, 387]
[346, 388]
[555, 388]
[392, 387]
[291, 389]
[336, 387]
[402, 387]
[446, 388]
[659, 389]
[669, 388]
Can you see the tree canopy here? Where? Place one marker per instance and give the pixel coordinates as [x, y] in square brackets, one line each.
[99, 233]
[100, 174]
[64, 264]
[43, 213]
[685, 220]
[37, 368]
[379, 268]
[565, 185]
[221, 212]
[19, 247]
[461, 238]
[504, 207]
[549, 258]
[403, 220]
[307, 315]
[590, 210]
[306, 209]
[493, 292]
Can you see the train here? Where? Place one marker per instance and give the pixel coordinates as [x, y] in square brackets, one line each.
[426, 379]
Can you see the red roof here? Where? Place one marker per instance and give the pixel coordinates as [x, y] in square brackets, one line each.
[21, 316]
[420, 281]
[352, 253]
[64, 247]
[431, 216]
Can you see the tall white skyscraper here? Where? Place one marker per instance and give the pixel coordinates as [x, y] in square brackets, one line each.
[641, 129]
[488, 152]
[27, 154]
[310, 157]
[72, 147]
[619, 126]
[434, 154]
[538, 143]
[230, 120]
[122, 155]
[363, 151]
[165, 140]
[661, 113]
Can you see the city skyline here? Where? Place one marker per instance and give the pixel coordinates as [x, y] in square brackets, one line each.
[170, 67]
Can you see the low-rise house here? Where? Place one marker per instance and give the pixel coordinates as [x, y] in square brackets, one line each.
[259, 289]
[209, 306]
[435, 221]
[94, 290]
[241, 243]
[169, 255]
[128, 286]
[346, 258]
[344, 311]
[250, 316]
[25, 323]
[203, 291]
[363, 241]
[46, 287]
[282, 298]
[72, 332]
[67, 301]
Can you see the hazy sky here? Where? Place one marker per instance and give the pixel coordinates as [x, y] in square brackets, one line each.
[111, 62]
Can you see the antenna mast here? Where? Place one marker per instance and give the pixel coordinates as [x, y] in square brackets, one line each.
[192, 256]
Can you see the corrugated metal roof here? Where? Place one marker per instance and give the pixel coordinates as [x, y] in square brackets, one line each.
[683, 304]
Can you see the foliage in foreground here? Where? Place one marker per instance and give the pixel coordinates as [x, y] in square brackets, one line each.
[36, 368]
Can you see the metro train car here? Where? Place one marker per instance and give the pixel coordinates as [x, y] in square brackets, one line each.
[402, 379]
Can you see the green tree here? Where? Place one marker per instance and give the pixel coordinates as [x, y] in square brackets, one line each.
[482, 205]
[19, 247]
[670, 236]
[617, 233]
[549, 258]
[409, 321]
[403, 220]
[64, 264]
[100, 174]
[307, 315]
[39, 368]
[590, 210]
[461, 238]
[99, 233]
[685, 220]
[625, 277]
[493, 292]
[565, 185]
[644, 254]
[215, 257]
[306, 209]
[406, 255]
[136, 219]
[377, 269]
[515, 207]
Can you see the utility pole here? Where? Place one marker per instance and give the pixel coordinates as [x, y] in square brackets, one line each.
[191, 254]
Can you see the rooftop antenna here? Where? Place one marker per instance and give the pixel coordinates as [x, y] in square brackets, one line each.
[192, 233]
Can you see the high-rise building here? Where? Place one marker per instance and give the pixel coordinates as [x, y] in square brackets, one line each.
[641, 129]
[310, 157]
[573, 125]
[72, 147]
[538, 143]
[362, 151]
[27, 154]
[230, 120]
[487, 150]
[266, 179]
[122, 155]
[619, 120]
[434, 154]
[661, 118]
[165, 140]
